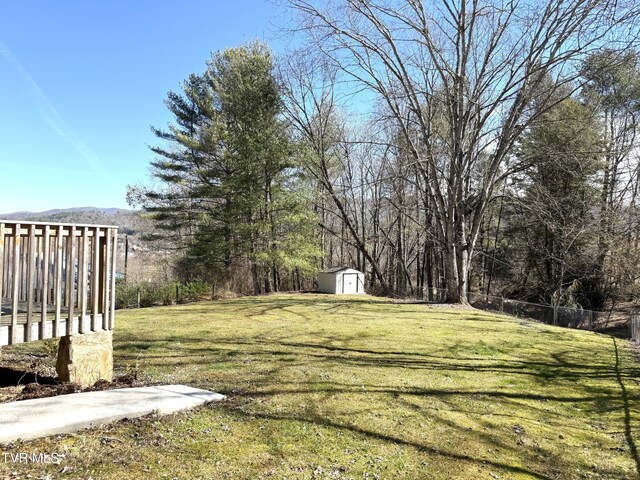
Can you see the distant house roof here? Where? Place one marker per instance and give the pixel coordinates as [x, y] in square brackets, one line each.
[339, 269]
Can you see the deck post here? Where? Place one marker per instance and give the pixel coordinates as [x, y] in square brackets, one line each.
[82, 278]
[95, 280]
[112, 310]
[106, 280]
[1, 266]
[71, 277]
[31, 266]
[58, 281]
[45, 263]
[15, 285]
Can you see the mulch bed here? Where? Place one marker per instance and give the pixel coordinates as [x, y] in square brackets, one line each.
[38, 390]
[43, 390]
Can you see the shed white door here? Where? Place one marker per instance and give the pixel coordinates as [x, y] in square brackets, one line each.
[350, 283]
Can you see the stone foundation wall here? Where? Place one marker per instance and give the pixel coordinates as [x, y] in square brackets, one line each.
[86, 358]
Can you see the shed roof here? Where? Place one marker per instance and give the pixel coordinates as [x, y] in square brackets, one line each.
[339, 269]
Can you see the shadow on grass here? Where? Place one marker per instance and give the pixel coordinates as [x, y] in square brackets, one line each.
[551, 467]
[571, 367]
[261, 305]
[627, 411]
[617, 331]
[396, 440]
[189, 351]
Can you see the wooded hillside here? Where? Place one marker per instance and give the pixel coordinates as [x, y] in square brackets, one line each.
[439, 147]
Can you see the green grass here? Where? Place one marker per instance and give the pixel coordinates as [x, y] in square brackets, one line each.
[358, 387]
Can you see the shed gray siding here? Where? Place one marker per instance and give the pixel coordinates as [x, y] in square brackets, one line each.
[341, 280]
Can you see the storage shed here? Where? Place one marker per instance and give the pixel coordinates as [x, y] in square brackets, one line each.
[341, 280]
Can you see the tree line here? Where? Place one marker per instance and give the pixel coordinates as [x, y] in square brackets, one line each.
[453, 145]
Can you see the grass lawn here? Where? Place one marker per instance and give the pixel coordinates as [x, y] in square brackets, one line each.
[326, 386]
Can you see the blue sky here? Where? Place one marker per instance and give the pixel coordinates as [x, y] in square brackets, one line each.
[82, 81]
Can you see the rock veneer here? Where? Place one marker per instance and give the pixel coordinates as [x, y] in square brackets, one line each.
[86, 358]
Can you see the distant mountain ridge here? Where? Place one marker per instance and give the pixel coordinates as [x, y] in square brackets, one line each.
[46, 213]
[128, 221]
[146, 260]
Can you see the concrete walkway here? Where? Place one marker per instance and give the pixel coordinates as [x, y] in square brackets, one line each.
[40, 417]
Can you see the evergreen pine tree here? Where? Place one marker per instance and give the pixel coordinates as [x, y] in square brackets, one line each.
[231, 188]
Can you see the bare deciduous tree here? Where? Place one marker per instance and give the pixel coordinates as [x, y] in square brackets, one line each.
[309, 91]
[460, 79]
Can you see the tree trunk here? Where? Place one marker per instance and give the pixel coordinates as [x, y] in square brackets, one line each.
[255, 278]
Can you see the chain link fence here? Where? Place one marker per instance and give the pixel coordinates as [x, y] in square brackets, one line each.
[550, 314]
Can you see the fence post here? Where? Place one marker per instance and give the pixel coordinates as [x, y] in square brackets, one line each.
[177, 294]
[555, 315]
[502, 304]
[138, 297]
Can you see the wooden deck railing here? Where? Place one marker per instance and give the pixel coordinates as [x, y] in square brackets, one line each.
[55, 280]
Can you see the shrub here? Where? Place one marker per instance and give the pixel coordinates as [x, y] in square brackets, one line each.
[194, 291]
[159, 293]
[126, 294]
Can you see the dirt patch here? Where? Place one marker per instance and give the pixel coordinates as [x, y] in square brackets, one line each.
[34, 390]
[25, 376]
[457, 306]
[414, 301]
[9, 394]
[39, 390]
[32, 366]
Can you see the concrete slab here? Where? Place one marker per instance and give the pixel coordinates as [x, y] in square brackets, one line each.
[40, 417]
